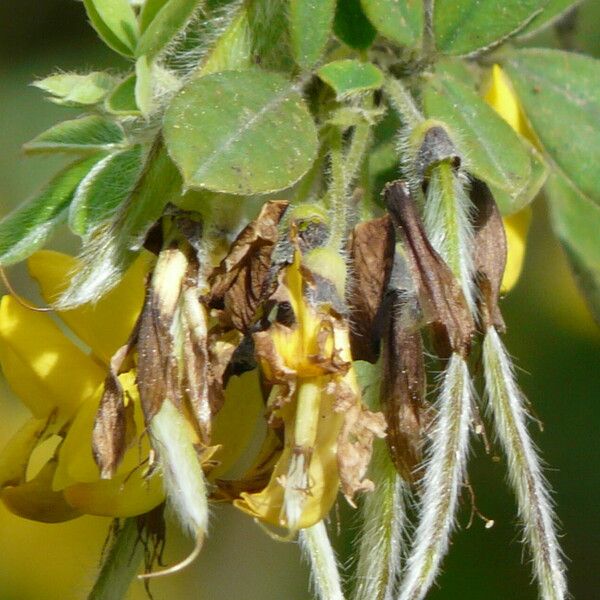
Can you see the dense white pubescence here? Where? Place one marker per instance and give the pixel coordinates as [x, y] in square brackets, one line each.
[506, 405]
[317, 549]
[442, 481]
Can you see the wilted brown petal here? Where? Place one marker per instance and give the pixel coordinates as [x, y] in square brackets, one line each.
[355, 447]
[402, 390]
[489, 253]
[371, 258]
[238, 283]
[440, 295]
[114, 426]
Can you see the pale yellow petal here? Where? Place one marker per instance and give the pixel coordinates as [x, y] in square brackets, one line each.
[105, 326]
[14, 457]
[37, 501]
[516, 227]
[122, 496]
[76, 462]
[45, 369]
[322, 474]
[235, 423]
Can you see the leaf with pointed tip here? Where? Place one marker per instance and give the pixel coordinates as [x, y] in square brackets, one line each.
[576, 221]
[560, 95]
[401, 22]
[149, 10]
[121, 100]
[144, 92]
[492, 151]
[240, 132]
[115, 22]
[104, 188]
[26, 229]
[71, 89]
[465, 26]
[91, 133]
[310, 23]
[168, 21]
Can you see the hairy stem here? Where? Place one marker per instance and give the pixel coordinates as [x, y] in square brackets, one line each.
[120, 564]
[506, 403]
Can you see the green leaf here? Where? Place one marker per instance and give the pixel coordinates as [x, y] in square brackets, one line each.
[539, 173]
[465, 26]
[492, 151]
[104, 188]
[26, 229]
[169, 20]
[351, 76]
[240, 132]
[401, 22]
[310, 23]
[71, 89]
[576, 221]
[115, 22]
[550, 13]
[79, 135]
[560, 94]
[112, 246]
[351, 25]
[149, 10]
[144, 91]
[121, 101]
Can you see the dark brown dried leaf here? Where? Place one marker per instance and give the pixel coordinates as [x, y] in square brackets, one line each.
[440, 295]
[371, 258]
[403, 388]
[238, 283]
[489, 253]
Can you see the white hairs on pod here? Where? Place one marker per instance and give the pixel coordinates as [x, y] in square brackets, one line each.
[506, 404]
[383, 516]
[442, 481]
[325, 574]
[173, 439]
[447, 219]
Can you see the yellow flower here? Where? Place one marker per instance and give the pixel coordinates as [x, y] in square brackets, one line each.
[315, 395]
[61, 384]
[502, 99]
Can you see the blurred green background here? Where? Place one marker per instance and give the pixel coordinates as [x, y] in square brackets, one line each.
[550, 333]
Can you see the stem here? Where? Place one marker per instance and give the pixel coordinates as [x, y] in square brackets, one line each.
[337, 190]
[403, 102]
[428, 32]
[316, 546]
[382, 516]
[525, 473]
[442, 481]
[120, 565]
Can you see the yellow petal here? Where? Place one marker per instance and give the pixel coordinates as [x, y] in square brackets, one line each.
[322, 474]
[236, 421]
[45, 369]
[122, 496]
[37, 501]
[76, 462]
[516, 227]
[105, 326]
[15, 455]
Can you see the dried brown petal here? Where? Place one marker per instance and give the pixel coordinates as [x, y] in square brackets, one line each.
[114, 426]
[439, 292]
[157, 372]
[238, 283]
[489, 253]
[403, 388]
[371, 258]
[355, 447]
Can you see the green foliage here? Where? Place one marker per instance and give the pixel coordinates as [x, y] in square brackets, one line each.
[310, 28]
[245, 132]
[86, 134]
[115, 22]
[70, 89]
[351, 25]
[401, 22]
[351, 76]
